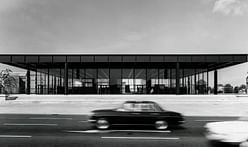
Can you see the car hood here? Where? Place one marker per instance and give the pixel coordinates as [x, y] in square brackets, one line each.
[103, 110]
[172, 112]
[228, 127]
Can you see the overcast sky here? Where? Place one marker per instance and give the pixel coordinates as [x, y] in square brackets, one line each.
[123, 26]
[126, 26]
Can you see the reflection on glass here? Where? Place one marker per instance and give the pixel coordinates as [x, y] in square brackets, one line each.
[115, 81]
[103, 81]
[118, 81]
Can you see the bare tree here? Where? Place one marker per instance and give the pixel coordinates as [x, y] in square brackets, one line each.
[7, 82]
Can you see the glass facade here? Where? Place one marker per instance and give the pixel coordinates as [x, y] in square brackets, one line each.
[119, 74]
[119, 81]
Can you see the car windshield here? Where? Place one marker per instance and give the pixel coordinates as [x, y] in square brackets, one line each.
[141, 107]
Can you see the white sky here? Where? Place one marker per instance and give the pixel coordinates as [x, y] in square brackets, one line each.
[124, 26]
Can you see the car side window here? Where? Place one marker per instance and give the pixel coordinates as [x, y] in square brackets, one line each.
[128, 106]
[140, 107]
[148, 108]
[132, 107]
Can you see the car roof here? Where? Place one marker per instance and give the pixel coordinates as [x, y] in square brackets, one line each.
[139, 102]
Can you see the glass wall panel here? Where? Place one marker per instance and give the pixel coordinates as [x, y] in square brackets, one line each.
[84, 81]
[60, 87]
[140, 81]
[172, 80]
[201, 82]
[173, 77]
[70, 81]
[163, 81]
[103, 81]
[46, 82]
[188, 73]
[40, 83]
[32, 82]
[82, 73]
[194, 82]
[90, 73]
[159, 81]
[115, 81]
[77, 82]
[42, 86]
[51, 84]
[183, 87]
[89, 82]
[128, 81]
[74, 81]
[152, 81]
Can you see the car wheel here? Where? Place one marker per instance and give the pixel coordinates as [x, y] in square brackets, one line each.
[102, 123]
[161, 125]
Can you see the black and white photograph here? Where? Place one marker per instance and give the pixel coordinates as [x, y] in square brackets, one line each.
[123, 73]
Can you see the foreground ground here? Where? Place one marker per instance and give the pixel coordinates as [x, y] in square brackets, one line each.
[26, 130]
[188, 105]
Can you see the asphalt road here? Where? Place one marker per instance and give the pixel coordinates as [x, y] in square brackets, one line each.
[75, 131]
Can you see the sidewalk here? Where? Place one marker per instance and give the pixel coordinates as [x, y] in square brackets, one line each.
[189, 105]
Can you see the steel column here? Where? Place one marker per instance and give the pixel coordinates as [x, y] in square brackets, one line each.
[66, 79]
[215, 81]
[28, 82]
[48, 81]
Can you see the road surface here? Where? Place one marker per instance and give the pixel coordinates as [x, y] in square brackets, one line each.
[18, 130]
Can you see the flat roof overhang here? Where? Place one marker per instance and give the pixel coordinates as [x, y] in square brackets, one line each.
[200, 61]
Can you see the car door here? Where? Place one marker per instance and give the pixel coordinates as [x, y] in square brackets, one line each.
[129, 114]
[124, 115]
[118, 117]
[144, 114]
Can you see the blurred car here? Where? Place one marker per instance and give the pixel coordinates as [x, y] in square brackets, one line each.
[227, 132]
[145, 113]
[244, 144]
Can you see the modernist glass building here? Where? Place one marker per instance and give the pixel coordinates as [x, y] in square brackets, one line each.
[121, 73]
